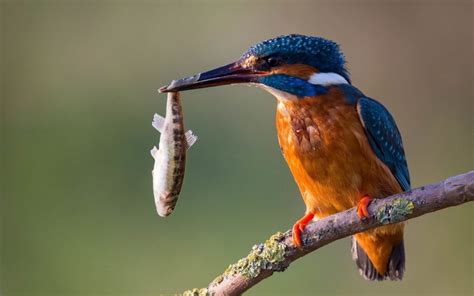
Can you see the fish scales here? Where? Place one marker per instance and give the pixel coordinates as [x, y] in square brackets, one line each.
[170, 158]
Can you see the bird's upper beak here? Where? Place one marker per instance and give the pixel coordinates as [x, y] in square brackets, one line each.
[228, 74]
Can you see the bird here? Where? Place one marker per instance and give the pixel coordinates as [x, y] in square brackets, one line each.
[342, 147]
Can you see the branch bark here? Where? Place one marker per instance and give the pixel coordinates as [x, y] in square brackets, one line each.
[277, 253]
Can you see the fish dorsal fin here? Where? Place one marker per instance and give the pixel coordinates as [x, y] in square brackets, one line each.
[190, 138]
[153, 151]
[158, 122]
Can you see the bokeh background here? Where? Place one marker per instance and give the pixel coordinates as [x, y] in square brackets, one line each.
[79, 82]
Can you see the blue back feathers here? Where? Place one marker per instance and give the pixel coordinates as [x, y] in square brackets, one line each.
[317, 52]
[351, 93]
[384, 138]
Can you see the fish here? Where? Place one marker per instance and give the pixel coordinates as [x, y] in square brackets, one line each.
[170, 156]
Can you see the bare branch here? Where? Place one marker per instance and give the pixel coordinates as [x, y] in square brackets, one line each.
[277, 253]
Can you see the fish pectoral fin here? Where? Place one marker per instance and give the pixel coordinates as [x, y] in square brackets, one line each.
[153, 151]
[158, 122]
[190, 138]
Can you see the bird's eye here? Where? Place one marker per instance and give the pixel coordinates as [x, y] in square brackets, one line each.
[272, 61]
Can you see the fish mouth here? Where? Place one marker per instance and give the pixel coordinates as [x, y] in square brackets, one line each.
[166, 204]
[164, 211]
[232, 73]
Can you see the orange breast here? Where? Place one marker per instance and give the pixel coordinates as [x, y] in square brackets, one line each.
[328, 153]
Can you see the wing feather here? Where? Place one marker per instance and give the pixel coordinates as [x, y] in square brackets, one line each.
[384, 138]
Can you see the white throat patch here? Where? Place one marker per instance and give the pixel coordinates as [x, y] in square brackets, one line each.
[279, 94]
[326, 79]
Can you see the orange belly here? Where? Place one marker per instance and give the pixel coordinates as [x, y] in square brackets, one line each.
[329, 155]
[325, 146]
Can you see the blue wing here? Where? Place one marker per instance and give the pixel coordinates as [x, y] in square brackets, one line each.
[384, 138]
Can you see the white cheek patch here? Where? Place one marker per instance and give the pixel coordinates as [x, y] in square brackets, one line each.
[326, 79]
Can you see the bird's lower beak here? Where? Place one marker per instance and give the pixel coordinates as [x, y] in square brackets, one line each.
[229, 74]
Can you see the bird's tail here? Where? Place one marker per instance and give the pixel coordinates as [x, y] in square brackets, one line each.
[383, 260]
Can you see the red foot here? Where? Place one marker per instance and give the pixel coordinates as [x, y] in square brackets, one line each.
[299, 227]
[362, 211]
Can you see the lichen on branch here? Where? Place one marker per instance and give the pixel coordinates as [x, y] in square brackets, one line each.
[262, 256]
[395, 211]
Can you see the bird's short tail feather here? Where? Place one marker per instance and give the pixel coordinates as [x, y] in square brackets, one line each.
[395, 267]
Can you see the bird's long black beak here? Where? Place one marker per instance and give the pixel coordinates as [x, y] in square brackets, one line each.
[229, 74]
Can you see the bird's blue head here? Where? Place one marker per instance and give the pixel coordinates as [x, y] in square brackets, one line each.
[287, 66]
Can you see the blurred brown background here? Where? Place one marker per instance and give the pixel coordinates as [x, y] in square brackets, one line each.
[79, 82]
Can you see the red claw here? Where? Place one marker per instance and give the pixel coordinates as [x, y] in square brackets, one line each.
[362, 211]
[299, 227]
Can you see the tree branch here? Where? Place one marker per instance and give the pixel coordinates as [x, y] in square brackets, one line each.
[277, 253]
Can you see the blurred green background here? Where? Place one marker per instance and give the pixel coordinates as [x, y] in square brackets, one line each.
[79, 82]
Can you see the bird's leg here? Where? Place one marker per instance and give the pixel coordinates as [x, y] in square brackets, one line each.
[362, 211]
[299, 227]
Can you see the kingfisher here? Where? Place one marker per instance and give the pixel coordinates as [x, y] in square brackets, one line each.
[342, 147]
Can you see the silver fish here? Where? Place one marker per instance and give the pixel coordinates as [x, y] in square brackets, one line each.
[170, 158]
